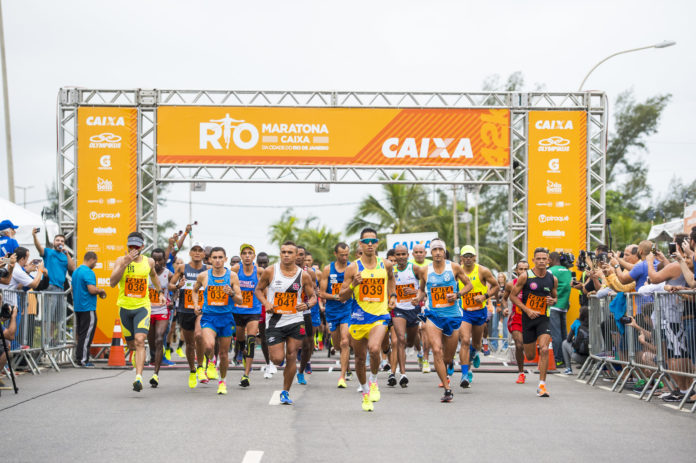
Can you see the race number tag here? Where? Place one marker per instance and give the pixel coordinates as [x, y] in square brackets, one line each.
[154, 296]
[247, 300]
[468, 302]
[336, 288]
[439, 294]
[188, 298]
[135, 287]
[401, 295]
[537, 304]
[371, 290]
[217, 296]
[285, 303]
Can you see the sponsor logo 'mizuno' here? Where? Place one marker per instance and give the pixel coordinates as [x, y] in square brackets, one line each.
[105, 140]
[104, 231]
[554, 144]
[106, 121]
[554, 124]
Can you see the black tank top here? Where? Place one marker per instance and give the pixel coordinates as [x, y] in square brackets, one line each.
[190, 275]
[536, 288]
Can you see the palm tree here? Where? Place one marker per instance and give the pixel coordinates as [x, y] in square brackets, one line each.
[285, 229]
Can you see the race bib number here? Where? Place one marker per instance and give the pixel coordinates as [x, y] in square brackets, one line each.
[154, 296]
[135, 287]
[401, 295]
[285, 303]
[217, 296]
[537, 304]
[336, 288]
[438, 295]
[371, 290]
[188, 298]
[247, 300]
[468, 302]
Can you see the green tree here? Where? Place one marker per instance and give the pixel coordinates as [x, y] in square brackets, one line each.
[318, 239]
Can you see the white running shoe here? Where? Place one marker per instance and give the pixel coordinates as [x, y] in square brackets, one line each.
[272, 369]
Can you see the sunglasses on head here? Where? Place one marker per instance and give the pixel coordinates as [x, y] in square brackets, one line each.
[369, 240]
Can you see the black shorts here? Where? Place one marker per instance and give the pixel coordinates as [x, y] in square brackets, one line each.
[276, 335]
[411, 316]
[134, 321]
[186, 320]
[533, 328]
[241, 319]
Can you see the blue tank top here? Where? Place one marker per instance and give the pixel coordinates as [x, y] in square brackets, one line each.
[217, 302]
[437, 301]
[333, 287]
[250, 304]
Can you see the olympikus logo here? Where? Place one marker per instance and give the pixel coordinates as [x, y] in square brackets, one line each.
[106, 120]
[558, 144]
[105, 140]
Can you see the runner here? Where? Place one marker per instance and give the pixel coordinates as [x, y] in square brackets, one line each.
[538, 290]
[318, 324]
[285, 328]
[248, 313]
[131, 273]
[407, 309]
[371, 282]
[183, 280]
[159, 314]
[220, 292]
[269, 369]
[337, 312]
[311, 319]
[475, 313]
[515, 321]
[444, 315]
[419, 260]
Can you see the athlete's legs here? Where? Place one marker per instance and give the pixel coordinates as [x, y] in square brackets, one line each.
[449, 347]
[198, 337]
[435, 338]
[138, 343]
[264, 343]
[374, 344]
[465, 340]
[519, 350]
[393, 353]
[208, 340]
[291, 347]
[190, 340]
[360, 350]
[307, 347]
[252, 333]
[543, 341]
[400, 333]
[224, 353]
[156, 340]
[424, 341]
[477, 335]
[344, 344]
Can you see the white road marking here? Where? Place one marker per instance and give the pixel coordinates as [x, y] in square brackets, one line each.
[505, 363]
[252, 456]
[606, 388]
[580, 381]
[635, 396]
[275, 398]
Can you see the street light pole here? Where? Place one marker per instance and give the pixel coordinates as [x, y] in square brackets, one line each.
[665, 44]
[6, 107]
[24, 194]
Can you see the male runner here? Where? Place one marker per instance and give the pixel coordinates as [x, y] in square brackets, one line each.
[285, 328]
[270, 369]
[407, 308]
[131, 273]
[248, 313]
[220, 292]
[370, 281]
[438, 282]
[159, 314]
[475, 313]
[419, 260]
[515, 321]
[538, 291]
[318, 320]
[311, 319]
[337, 312]
[183, 280]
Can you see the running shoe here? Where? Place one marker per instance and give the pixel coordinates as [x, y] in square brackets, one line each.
[180, 352]
[342, 383]
[403, 381]
[442, 385]
[239, 359]
[426, 366]
[272, 369]
[154, 381]
[477, 360]
[450, 369]
[674, 397]
[211, 371]
[167, 363]
[301, 379]
[167, 355]
[382, 364]
[448, 396]
[568, 371]
[349, 375]
[285, 398]
[200, 374]
[321, 345]
[560, 364]
[470, 377]
[375, 395]
[193, 382]
[486, 351]
[386, 366]
[391, 381]
[244, 381]
[222, 388]
[640, 384]
[87, 365]
[267, 372]
[520, 378]
[367, 403]
[464, 383]
[308, 368]
[541, 391]
[138, 383]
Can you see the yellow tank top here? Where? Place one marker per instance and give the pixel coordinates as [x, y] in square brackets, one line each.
[133, 292]
[479, 288]
[371, 295]
[425, 263]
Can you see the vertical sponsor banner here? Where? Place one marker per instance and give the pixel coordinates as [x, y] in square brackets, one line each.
[689, 218]
[557, 184]
[106, 196]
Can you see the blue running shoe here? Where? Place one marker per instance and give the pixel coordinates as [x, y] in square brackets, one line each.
[167, 363]
[308, 368]
[477, 360]
[450, 369]
[300, 379]
[285, 398]
[470, 377]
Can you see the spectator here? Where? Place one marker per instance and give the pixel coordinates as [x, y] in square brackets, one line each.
[576, 346]
[684, 255]
[85, 292]
[175, 243]
[499, 305]
[557, 314]
[7, 242]
[57, 261]
[9, 265]
[21, 275]
[8, 333]
[639, 271]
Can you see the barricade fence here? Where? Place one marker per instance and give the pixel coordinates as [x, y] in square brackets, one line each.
[43, 335]
[644, 339]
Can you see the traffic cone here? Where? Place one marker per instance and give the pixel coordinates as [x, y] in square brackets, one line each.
[117, 356]
[552, 358]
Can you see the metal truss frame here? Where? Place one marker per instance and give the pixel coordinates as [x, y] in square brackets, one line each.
[151, 174]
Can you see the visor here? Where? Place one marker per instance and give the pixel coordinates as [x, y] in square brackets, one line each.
[136, 241]
[247, 245]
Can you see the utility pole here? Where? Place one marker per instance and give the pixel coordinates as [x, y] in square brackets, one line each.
[6, 107]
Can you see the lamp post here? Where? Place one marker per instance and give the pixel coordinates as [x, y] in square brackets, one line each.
[24, 193]
[665, 44]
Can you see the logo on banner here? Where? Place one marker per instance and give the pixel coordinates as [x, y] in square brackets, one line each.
[554, 188]
[105, 140]
[105, 121]
[553, 233]
[104, 281]
[243, 134]
[105, 162]
[550, 218]
[554, 204]
[554, 166]
[555, 124]
[554, 144]
[104, 184]
[104, 231]
[391, 148]
[104, 215]
[93, 247]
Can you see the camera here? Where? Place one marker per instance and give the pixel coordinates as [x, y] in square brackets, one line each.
[603, 257]
[567, 259]
[5, 311]
[582, 264]
[4, 272]
[625, 320]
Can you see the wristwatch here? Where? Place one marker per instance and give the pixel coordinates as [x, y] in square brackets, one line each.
[616, 266]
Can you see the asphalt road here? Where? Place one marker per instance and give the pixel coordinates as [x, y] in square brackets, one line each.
[93, 415]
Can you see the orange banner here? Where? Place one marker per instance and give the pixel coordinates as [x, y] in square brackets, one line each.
[333, 136]
[106, 196]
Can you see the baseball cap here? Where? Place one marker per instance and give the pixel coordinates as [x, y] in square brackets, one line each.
[468, 249]
[437, 243]
[197, 244]
[5, 224]
[247, 245]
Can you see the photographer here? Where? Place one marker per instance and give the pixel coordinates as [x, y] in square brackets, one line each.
[7, 312]
[639, 271]
[557, 315]
[57, 261]
[6, 268]
[85, 292]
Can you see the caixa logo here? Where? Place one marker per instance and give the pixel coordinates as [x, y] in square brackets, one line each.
[106, 120]
[243, 134]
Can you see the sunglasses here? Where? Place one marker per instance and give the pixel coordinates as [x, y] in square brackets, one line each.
[369, 241]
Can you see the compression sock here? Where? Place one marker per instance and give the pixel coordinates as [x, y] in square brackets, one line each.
[465, 369]
[250, 346]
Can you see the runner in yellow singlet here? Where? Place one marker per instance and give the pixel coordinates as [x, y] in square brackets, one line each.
[131, 273]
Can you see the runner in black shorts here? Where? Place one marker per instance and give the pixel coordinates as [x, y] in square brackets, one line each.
[307, 343]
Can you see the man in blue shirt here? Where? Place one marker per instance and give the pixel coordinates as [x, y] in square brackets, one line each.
[57, 261]
[7, 242]
[639, 271]
[85, 291]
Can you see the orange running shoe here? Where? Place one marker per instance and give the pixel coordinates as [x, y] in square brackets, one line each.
[521, 378]
[541, 391]
[448, 383]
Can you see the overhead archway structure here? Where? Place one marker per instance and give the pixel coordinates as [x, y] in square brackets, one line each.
[115, 147]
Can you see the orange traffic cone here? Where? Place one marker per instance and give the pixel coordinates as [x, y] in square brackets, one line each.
[117, 356]
[552, 358]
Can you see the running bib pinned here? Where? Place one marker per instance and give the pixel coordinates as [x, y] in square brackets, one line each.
[336, 288]
[371, 290]
[188, 298]
[247, 300]
[401, 295]
[135, 287]
[537, 304]
[438, 294]
[285, 303]
[216, 296]
[154, 296]
[469, 303]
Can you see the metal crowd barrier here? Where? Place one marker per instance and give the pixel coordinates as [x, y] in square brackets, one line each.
[42, 330]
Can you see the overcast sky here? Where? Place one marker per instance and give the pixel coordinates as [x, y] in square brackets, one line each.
[326, 45]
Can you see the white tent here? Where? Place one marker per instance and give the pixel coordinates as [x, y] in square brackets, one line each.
[666, 231]
[27, 221]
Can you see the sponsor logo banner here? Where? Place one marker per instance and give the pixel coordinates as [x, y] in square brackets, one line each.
[411, 239]
[106, 198]
[332, 136]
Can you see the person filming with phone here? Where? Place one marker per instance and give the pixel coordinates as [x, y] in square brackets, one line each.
[57, 261]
